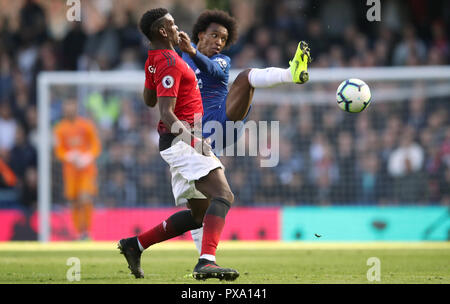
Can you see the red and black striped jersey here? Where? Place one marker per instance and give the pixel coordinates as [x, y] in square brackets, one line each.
[171, 76]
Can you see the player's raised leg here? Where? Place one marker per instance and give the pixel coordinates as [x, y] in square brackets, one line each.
[241, 92]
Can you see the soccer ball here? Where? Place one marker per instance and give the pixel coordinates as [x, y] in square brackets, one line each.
[353, 95]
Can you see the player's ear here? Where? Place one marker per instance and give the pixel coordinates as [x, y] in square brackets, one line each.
[200, 36]
[162, 32]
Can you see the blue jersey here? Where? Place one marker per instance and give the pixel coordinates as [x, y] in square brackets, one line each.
[212, 74]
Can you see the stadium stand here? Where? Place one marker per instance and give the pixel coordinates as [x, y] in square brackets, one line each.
[322, 161]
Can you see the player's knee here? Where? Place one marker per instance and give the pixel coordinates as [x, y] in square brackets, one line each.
[240, 97]
[244, 75]
[242, 81]
[241, 84]
[231, 198]
[227, 195]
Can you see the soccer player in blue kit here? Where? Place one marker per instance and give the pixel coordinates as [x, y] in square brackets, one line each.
[213, 31]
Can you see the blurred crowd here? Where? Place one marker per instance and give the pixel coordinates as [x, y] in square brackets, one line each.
[388, 154]
[393, 153]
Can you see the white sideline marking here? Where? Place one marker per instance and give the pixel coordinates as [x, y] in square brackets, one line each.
[226, 245]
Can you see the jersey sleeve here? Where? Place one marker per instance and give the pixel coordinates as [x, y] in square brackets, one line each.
[148, 77]
[168, 80]
[216, 66]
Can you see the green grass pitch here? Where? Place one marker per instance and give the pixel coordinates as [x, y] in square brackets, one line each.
[257, 262]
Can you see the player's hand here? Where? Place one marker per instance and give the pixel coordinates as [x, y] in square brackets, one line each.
[84, 160]
[185, 44]
[72, 156]
[202, 146]
[206, 147]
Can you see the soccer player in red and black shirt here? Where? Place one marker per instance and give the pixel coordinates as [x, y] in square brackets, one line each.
[198, 178]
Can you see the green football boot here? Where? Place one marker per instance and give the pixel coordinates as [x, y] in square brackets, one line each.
[299, 64]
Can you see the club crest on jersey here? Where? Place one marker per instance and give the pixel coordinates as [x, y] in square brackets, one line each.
[168, 81]
[151, 69]
[222, 62]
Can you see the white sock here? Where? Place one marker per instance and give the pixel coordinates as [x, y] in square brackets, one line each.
[197, 236]
[209, 257]
[269, 77]
[140, 246]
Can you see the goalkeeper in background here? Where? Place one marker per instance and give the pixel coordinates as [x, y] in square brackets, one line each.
[77, 147]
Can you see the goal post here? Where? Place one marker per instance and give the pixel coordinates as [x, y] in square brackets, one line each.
[45, 81]
[433, 83]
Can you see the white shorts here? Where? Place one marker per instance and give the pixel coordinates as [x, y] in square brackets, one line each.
[187, 166]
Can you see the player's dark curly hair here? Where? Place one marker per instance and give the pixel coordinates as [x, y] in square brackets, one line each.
[219, 17]
[149, 18]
